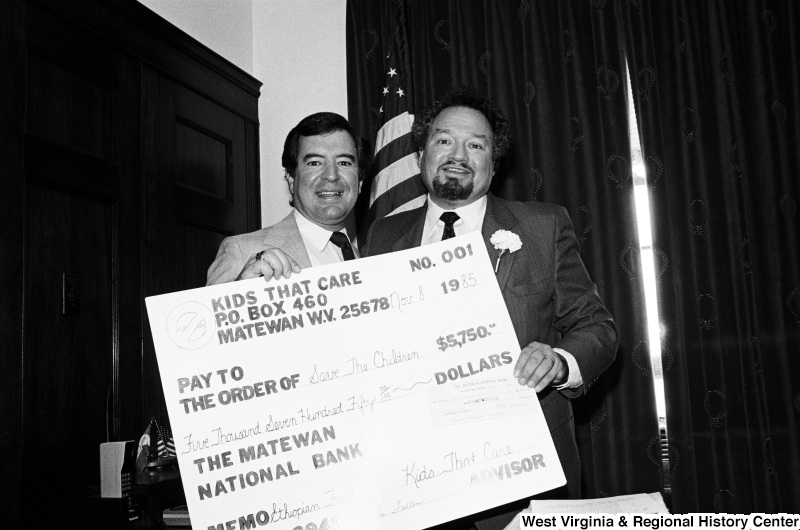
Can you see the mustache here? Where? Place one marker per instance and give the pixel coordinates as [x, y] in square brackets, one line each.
[453, 163]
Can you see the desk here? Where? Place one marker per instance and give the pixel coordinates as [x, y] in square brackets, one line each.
[152, 493]
[177, 518]
[160, 490]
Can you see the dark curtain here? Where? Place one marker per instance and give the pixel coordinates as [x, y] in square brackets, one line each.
[716, 88]
[557, 71]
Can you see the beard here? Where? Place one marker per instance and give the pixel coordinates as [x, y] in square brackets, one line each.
[452, 189]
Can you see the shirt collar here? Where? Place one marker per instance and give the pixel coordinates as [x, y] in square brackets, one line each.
[313, 234]
[471, 215]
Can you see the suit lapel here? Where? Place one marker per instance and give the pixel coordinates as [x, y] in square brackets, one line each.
[498, 217]
[286, 236]
[411, 233]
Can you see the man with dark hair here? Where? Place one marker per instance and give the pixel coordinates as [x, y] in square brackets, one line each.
[567, 336]
[325, 162]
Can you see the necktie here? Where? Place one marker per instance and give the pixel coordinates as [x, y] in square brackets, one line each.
[340, 240]
[449, 218]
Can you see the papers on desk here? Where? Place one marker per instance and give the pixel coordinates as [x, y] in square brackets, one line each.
[176, 517]
[636, 503]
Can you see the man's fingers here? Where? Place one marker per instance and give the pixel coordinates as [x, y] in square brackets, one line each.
[528, 360]
[275, 264]
[292, 264]
[538, 365]
[544, 374]
[278, 265]
[522, 361]
[272, 263]
[251, 270]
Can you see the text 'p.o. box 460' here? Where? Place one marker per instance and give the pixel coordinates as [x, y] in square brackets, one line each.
[371, 394]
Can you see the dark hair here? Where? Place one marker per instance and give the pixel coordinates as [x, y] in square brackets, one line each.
[319, 124]
[464, 97]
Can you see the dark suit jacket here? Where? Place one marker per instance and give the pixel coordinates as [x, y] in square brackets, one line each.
[550, 299]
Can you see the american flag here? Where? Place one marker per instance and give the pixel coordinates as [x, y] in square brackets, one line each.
[165, 444]
[397, 185]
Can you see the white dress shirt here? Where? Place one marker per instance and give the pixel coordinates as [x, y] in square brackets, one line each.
[318, 242]
[471, 219]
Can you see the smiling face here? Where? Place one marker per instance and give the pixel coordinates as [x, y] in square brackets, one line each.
[325, 186]
[457, 165]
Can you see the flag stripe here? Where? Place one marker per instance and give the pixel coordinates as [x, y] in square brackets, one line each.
[393, 200]
[416, 202]
[395, 150]
[393, 175]
[398, 126]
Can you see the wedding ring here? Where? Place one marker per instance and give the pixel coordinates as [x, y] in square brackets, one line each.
[259, 255]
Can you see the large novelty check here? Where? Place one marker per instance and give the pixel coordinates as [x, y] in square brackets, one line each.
[371, 394]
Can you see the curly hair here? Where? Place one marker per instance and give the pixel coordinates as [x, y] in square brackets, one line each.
[464, 97]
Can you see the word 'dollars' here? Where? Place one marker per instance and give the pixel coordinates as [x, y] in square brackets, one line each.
[465, 370]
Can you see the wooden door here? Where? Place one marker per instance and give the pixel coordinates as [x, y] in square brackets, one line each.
[201, 159]
[81, 247]
[129, 151]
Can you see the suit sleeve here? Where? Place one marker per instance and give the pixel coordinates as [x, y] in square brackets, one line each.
[228, 264]
[585, 326]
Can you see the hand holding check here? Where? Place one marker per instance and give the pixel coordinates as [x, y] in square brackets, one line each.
[539, 366]
[270, 263]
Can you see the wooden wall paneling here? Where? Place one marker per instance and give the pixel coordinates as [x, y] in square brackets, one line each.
[68, 364]
[12, 210]
[152, 201]
[252, 176]
[159, 261]
[71, 304]
[200, 153]
[128, 152]
[129, 409]
[211, 194]
[68, 354]
[157, 43]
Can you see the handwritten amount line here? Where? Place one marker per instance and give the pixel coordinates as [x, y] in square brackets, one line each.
[403, 395]
[412, 386]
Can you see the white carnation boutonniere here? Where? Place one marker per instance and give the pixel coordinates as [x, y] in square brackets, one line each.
[504, 241]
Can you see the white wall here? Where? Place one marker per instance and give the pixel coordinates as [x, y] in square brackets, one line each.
[299, 55]
[295, 47]
[225, 26]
